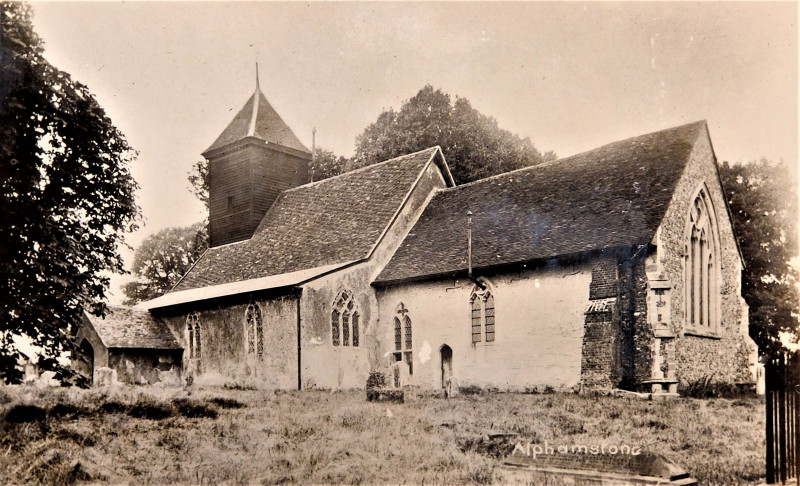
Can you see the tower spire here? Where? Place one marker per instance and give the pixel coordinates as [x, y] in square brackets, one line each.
[251, 131]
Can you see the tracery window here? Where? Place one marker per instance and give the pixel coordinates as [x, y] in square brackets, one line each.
[482, 318]
[345, 320]
[254, 330]
[701, 266]
[193, 339]
[403, 341]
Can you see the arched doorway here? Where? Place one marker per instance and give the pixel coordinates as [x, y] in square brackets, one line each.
[87, 360]
[446, 355]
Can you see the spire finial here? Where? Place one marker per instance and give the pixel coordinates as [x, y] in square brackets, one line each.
[257, 87]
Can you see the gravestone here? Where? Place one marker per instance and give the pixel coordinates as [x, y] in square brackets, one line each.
[590, 465]
[105, 377]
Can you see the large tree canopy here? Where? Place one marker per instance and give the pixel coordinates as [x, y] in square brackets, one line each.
[473, 144]
[162, 259]
[763, 201]
[66, 197]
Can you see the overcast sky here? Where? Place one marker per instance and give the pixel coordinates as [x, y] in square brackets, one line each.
[571, 76]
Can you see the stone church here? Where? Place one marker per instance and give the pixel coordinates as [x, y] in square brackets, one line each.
[617, 267]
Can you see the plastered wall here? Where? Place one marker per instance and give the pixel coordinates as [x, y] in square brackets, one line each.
[539, 328]
[325, 365]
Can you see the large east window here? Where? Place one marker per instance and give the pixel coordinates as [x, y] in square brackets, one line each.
[701, 266]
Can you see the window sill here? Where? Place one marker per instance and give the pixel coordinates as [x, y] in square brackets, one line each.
[483, 343]
[701, 333]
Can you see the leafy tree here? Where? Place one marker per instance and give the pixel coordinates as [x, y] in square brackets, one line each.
[162, 259]
[473, 144]
[198, 181]
[326, 164]
[66, 198]
[763, 200]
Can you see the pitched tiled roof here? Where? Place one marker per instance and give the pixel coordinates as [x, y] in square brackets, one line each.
[332, 221]
[124, 327]
[260, 120]
[615, 195]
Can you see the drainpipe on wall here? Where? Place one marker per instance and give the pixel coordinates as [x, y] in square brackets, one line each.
[469, 253]
[299, 346]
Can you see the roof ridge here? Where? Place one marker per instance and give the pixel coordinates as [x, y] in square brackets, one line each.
[251, 130]
[582, 203]
[532, 168]
[361, 169]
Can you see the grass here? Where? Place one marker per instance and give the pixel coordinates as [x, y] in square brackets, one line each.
[238, 436]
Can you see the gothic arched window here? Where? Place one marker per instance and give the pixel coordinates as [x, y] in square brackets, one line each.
[481, 303]
[701, 266]
[345, 320]
[193, 336]
[403, 342]
[254, 330]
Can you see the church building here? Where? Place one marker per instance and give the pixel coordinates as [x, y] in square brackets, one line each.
[614, 268]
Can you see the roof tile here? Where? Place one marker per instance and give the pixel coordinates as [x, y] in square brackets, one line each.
[269, 126]
[615, 195]
[124, 327]
[332, 221]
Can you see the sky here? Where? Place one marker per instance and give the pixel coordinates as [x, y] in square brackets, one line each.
[571, 76]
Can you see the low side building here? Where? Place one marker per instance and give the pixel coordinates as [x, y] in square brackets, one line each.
[129, 344]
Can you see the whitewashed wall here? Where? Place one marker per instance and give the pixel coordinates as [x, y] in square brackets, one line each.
[539, 328]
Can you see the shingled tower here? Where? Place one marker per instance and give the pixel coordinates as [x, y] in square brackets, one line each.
[254, 159]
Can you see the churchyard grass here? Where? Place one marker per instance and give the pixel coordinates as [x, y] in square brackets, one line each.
[146, 435]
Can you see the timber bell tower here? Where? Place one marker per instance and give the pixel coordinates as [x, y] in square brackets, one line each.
[254, 159]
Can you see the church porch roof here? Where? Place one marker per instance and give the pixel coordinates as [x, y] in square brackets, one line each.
[124, 327]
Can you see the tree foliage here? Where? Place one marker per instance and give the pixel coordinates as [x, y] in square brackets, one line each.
[162, 259]
[473, 144]
[763, 201]
[66, 197]
[326, 164]
[198, 181]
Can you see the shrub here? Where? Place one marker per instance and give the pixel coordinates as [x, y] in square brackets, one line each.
[193, 409]
[378, 395]
[707, 387]
[24, 424]
[19, 414]
[222, 402]
[470, 390]
[238, 387]
[376, 379]
[152, 411]
[113, 406]
[497, 446]
[65, 410]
